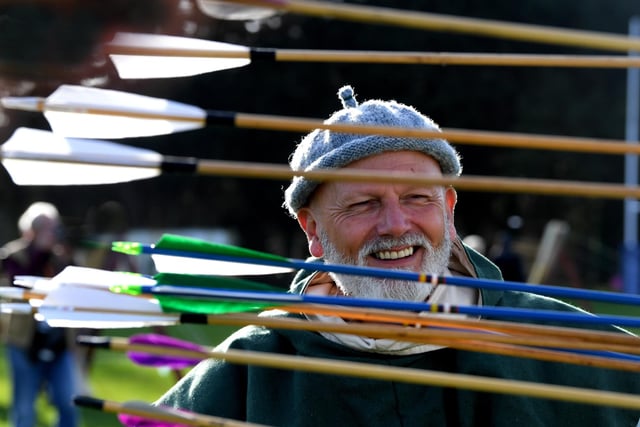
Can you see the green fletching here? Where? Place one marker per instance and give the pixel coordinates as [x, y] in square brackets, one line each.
[177, 304]
[126, 289]
[217, 282]
[207, 306]
[183, 243]
[129, 248]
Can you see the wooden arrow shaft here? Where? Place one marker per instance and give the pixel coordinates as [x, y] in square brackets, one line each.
[468, 183]
[388, 373]
[449, 23]
[368, 57]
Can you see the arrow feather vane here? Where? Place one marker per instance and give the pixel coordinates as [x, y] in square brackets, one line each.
[189, 247]
[146, 56]
[187, 59]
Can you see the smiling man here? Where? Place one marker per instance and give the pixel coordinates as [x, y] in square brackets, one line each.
[407, 227]
[376, 225]
[394, 226]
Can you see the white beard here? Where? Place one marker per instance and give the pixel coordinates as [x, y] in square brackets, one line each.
[435, 261]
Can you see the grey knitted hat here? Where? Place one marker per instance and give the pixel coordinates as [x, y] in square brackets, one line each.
[322, 149]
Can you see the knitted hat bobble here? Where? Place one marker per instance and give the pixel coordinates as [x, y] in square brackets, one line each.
[346, 96]
[322, 149]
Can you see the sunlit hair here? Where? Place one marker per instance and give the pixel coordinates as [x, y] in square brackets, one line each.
[36, 210]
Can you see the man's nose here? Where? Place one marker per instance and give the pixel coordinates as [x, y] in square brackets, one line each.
[393, 221]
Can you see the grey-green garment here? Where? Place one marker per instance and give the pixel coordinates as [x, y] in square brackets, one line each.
[292, 398]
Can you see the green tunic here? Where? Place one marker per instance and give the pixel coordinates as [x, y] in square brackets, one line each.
[293, 398]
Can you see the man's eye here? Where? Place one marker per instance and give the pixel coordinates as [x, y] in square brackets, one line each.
[361, 203]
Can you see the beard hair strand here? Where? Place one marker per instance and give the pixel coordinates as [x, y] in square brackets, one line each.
[435, 261]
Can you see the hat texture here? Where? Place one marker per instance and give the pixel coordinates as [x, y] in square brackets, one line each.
[322, 149]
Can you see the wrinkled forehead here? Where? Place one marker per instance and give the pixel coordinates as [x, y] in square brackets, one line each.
[405, 162]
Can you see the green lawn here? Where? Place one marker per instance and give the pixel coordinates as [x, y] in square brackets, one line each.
[610, 308]
[114, 377]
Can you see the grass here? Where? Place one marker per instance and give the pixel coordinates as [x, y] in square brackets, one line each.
[603, 308]
[114, 377]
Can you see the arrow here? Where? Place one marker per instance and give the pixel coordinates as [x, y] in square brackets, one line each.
[85, 301]
[540, 335]
[70, 161]
[157, 360]
[175, 245]
[439, 22]
[87, 307]
[61, 161]
[76, 275]
[89, 294]
[235, 12]
[176, 303]
[36, 289]
[146, 56]
[388, 373]
[83, 304]
[35, 283]
[80, 307]
[11, 292]
[188, 291]
[136, 414]
[555, 349]
[367, 315]
[187, 296]
[77, 306]
[87, 112]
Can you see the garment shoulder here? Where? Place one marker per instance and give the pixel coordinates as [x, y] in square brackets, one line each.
[302, 277]
[15, 250]
[254, 338]
[484, 267]
[535, 301]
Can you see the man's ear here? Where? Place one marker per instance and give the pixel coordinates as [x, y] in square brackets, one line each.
[310, 226]
[450, 200]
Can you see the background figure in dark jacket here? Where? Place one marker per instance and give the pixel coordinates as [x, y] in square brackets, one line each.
[507, 259]
[39, 356]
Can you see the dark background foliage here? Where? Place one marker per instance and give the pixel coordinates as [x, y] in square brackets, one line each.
[44, 44]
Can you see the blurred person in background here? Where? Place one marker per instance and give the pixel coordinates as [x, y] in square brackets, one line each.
[40, 357]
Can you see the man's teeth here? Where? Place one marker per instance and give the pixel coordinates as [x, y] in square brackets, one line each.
[395, 254]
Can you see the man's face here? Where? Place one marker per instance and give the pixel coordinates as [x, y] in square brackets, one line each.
[395, 226]
[45, 232]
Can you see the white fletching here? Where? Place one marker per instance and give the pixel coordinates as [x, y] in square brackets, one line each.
[234, 12]
[63, 318]
[39, 157]
[186, 265]
[35, 283]
[75, 307]
[98, 278]
[113, 114]
[160, 56]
